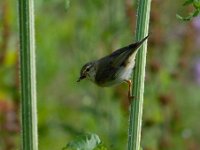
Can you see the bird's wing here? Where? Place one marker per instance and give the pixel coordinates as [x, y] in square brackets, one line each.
[120, 56]
[105, 71]
[131, 46]
[119, 59]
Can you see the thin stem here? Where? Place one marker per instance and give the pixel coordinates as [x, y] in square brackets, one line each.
[135, 119]
[27, 70]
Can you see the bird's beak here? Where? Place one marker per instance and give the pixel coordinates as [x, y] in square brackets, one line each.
[81, 78]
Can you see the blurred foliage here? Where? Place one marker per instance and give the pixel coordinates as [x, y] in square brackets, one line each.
[196, 5]
[9, 97]
[70, 33]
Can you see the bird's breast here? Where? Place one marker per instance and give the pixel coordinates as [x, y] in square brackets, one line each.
[125, 72]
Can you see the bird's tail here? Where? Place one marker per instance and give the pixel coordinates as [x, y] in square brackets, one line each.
[136, 45]
[126, 54]
[133, 48]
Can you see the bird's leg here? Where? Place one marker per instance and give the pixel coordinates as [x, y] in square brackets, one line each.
[130, 96]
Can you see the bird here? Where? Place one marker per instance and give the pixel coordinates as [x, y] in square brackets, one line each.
[114, 68]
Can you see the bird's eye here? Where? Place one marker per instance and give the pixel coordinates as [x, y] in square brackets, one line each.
[87, 69]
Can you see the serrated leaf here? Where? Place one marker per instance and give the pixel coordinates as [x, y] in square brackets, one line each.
[88, 141]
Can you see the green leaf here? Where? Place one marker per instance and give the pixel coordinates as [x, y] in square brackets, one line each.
[196, 12]
[88, 141]
[188, 2]
[196, 4]
[190, 16]
[101, 147]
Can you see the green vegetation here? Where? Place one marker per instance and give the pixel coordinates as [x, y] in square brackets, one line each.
[89, 141]
[196, 6]
[70, 33]
[27, 74]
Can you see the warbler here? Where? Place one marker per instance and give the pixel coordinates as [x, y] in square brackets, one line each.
[113, 69]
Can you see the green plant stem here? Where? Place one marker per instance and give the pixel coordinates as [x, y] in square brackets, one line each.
[135, 119]
[28, 81]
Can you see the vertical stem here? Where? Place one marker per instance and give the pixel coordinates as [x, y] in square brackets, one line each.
[27, 70]
[135, 119]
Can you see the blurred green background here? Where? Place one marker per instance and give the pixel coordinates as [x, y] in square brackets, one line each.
[70, 33]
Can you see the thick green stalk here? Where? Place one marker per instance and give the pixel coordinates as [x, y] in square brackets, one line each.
[28, 81]
[135, 119]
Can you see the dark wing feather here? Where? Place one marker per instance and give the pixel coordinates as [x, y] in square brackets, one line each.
[132, 47]
[121, 55]
[105, 71]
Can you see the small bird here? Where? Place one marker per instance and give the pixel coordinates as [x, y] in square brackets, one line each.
[113, 69]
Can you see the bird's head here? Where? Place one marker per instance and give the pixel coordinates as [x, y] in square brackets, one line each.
[88, 71]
